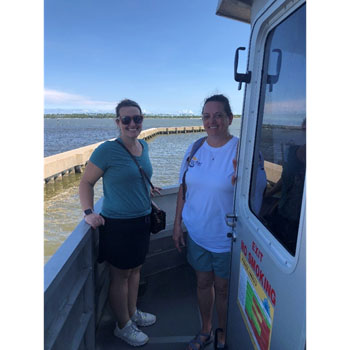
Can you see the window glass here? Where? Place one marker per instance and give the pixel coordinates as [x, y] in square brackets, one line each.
[279, 163]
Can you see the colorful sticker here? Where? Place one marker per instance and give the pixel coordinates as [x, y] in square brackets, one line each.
[257, 310]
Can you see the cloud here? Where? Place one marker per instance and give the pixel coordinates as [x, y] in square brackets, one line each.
[61, 99]
[185, 111]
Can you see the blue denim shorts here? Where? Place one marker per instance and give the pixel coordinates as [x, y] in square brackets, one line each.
[203, 260]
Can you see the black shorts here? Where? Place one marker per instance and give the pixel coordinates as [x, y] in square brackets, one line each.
[124, 243]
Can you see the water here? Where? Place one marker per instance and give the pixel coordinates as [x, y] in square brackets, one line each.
[62, 210]
[69, 133]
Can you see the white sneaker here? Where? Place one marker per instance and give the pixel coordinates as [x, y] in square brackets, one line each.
[143, 318]
[131, 334]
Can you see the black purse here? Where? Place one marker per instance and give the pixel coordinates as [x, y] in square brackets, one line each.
[158, 216]
[158, 219]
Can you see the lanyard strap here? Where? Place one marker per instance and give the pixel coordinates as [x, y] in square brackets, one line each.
[194, 149]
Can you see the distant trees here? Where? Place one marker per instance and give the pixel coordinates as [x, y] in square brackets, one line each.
[80, 115]
[112, 115]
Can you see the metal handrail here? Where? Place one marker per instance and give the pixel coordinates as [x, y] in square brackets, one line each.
[69, 290]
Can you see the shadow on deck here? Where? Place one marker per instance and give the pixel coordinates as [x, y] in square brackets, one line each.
[171, 296]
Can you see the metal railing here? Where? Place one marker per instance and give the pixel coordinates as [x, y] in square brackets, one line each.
[76, 286]
[69, 291]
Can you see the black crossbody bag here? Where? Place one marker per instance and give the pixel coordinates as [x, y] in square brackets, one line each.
[158, 216]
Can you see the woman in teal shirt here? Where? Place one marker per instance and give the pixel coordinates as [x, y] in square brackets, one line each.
[124, 222]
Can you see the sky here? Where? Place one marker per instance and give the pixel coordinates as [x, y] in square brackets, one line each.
[166, 55]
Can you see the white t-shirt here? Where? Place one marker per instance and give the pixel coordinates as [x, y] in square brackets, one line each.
[209, 195]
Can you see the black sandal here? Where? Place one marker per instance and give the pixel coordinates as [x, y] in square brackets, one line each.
[202, 344]
[216, 344]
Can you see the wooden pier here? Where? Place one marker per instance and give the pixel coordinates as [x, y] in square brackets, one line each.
[149, 133]
[74, 161]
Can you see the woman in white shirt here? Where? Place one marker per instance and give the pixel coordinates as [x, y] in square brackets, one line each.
[209, 184]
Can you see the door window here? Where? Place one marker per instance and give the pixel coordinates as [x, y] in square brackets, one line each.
[279, 162]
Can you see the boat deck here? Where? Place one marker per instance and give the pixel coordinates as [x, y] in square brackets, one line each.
[171, 296]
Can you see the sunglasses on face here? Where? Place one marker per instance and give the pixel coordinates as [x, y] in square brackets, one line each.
[127, 120]
[217, 116]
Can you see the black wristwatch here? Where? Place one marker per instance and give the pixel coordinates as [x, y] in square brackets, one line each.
[88, 212]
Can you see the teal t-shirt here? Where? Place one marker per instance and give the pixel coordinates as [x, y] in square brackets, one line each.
[125, 194]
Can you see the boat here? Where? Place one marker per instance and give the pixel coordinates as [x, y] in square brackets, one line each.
[267, 280]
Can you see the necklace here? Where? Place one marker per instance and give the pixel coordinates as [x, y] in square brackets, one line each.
[216, 147]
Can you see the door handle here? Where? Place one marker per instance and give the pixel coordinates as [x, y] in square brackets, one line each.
[231, 220]
[241, 77]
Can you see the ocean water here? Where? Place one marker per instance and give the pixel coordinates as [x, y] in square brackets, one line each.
[62, 210]
[64, 134]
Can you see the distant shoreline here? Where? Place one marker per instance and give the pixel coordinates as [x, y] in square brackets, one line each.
[111, 115]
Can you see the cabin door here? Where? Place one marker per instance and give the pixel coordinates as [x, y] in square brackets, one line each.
[267, 283]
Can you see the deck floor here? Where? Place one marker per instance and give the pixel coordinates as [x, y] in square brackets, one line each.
[171, 296]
